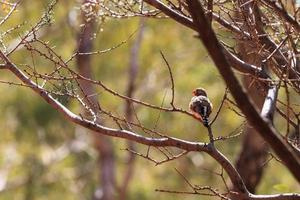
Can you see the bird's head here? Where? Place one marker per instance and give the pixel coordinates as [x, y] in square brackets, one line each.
[199, 92]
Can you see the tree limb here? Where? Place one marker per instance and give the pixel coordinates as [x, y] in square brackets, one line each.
[287, 196]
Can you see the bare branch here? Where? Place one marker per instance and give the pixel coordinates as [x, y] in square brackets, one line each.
[171, 77]
[210, 6]
[220, 107]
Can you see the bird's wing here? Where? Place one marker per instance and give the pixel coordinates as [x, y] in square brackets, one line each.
[201, 105]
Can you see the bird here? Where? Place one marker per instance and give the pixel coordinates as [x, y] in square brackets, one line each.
[200, 105]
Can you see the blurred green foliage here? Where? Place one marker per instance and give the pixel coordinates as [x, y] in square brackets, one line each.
[43, 156]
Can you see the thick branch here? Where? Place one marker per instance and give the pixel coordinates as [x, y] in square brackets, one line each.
[269, 106]
[232, 172]
[264, 128]
[244, 67]
[171, 13]
[287, 196]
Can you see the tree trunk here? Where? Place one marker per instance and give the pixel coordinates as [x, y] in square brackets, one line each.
[129, 112]
[102, 144]
[254, 150]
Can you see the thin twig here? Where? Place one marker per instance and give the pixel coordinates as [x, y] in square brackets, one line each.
[172, 79]
[220, 107]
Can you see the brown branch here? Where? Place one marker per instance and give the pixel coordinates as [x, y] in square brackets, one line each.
[220, 107]
[171, 77]
[243, 66]
[157, 162]
[197, 188]
[210, 135]
[171, 13]
[184, 192]
[276, 49]
[210, 7]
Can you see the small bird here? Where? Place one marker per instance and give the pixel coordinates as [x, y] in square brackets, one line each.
[200, 105]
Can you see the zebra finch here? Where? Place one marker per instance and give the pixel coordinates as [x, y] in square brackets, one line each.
[201, 106]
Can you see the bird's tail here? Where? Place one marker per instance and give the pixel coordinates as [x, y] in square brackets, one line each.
[205, 121]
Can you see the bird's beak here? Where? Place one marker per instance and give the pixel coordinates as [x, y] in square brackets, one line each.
[194, 93]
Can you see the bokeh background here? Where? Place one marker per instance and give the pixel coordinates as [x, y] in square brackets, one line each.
[43, 156]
